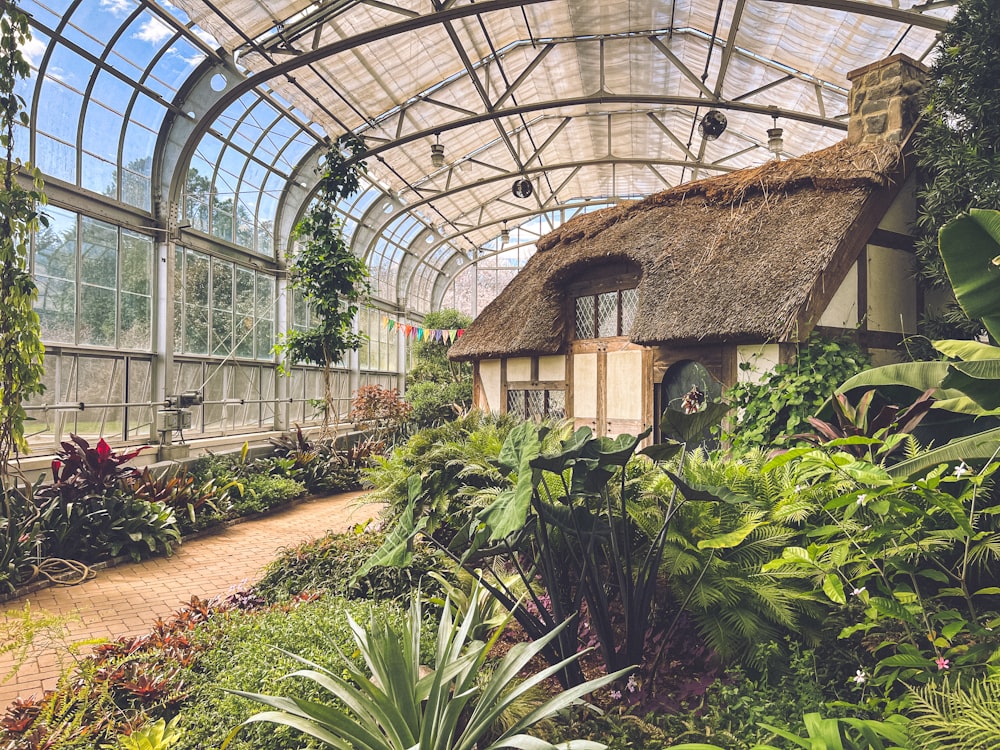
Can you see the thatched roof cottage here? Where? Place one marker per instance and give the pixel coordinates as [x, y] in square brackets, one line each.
[622, 310]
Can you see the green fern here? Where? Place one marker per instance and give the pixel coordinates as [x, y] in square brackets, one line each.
[950, 717]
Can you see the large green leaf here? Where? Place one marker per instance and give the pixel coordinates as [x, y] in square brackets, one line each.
[509, 511]
[917, 375]
[397, 549]
[979, 380]
[690, 428]
[970, 246]
[973, 449]
[967, 351]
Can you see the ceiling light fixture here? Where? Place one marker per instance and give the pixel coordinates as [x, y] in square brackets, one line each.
[775, 143]
[522, 188]
[437, 152]
[504, 234]
[712, 125]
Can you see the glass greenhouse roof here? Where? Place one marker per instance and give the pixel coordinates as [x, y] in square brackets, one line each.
[213, 113]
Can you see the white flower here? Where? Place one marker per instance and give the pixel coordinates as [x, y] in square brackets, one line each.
[858, 592]
[862, 499]
[961, 469]
[632, 685]
[860, 677]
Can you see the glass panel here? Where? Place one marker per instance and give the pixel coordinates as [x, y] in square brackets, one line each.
[536, 405]
[585, 317]
[196, 303]
[136, 285]
[245, 292]
[100, 381]
[98, 283]
[557, 404]
[215, 390]
[515, 404]
[630, 302]
[264, 324]
[222, 307]
[139, 390]
[55, 274]
[179, 299]
[607, 314]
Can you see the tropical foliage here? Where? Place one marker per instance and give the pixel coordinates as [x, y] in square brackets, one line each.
[400, 704]
[331, 277]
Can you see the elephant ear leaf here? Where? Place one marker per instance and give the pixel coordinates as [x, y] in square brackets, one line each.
[970, 248]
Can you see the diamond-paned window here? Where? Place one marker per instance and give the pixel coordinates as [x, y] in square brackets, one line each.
[536, 404]
[607, 314]
[630, 301]
[585, 317]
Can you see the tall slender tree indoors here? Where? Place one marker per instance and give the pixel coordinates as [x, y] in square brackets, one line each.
[21, 350]
[332, 278]
[958, 144]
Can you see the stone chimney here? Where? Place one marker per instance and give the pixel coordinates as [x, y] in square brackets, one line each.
[884, 103]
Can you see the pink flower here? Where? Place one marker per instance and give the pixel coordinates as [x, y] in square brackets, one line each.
[942, 663]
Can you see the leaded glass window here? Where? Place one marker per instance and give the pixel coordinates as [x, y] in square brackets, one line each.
[605, 314]
[536, 404]
[585, 317]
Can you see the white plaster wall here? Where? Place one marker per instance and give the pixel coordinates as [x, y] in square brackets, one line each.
[552, 368]
[519, 369]
[842, 312]
[902, 213]
[489, 376]
[892, 292]
[585, 386]
[624, 399]
[762, 358]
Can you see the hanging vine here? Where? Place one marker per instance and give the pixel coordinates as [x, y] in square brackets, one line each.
[332, 278]
[21, 350]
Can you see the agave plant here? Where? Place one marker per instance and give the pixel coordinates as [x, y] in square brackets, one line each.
[401, 705]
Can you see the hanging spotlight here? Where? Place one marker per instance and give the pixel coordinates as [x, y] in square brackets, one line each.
[437, 152]
[712, 125]
[522, 188]
[504, 234]
[775, 143]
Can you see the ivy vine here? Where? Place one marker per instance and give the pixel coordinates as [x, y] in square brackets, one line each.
[21, 350]
[778, 405]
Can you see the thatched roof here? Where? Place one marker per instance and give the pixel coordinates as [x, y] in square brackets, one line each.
[727, 259]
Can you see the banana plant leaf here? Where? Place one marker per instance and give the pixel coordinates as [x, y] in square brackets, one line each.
[970, 248]
[975, 448]
[967, 351]
[979, 380]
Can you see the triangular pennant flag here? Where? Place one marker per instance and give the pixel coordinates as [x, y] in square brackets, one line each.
[385, 321]
[391, 324]
[438, 334]
[449, 336]
[459, 332]
[420, 334]
[406, 329]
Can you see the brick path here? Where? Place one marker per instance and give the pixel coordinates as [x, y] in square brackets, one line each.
[127, 599]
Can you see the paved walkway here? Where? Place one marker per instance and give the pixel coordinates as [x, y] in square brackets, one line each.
[127, 599]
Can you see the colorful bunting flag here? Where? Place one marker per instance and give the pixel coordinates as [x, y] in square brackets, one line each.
[444, 335]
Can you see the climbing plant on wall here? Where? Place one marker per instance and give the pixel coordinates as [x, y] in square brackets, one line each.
[333, 279]
[958, 144]
[21, 349]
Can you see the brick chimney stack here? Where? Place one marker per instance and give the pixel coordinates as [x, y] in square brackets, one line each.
[884, 103]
